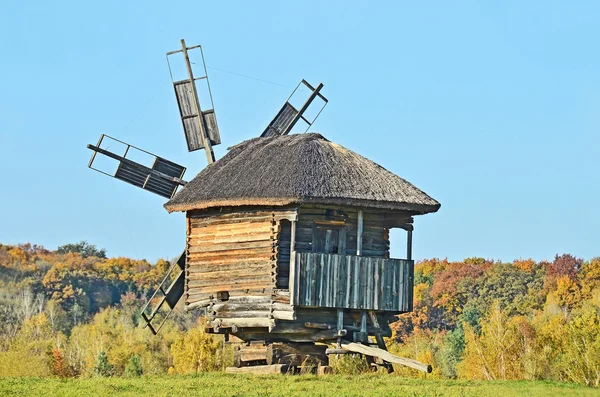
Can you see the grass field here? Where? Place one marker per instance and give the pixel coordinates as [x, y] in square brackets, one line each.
[218, 384]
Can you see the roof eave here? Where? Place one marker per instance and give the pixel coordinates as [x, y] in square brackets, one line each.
[417, 208]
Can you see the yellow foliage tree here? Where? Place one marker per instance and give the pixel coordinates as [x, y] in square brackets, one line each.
[505, 349]
[568, 292]
[581, 359]
[196, 351]
[27, 355]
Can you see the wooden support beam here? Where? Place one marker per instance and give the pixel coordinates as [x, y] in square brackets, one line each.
[386, 356]
[340, 325]
[293, 238]
[359, 233]
[259, 369]
[318, 325]
[378, 335]
[379, 338]
[338, 351]
[409, 245]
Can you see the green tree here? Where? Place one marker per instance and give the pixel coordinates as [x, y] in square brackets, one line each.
[133, 367]
[102, 367]
[83, 248]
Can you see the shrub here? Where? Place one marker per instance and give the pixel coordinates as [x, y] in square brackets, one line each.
[133, 367]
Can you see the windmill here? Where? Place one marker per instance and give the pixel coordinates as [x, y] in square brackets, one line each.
[164, 177]
[287, 236]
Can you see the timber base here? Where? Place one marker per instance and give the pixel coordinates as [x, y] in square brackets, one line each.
[290, 354]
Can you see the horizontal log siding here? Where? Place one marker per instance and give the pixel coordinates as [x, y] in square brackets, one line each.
[376, 240]
[234, 252]
[352, 282]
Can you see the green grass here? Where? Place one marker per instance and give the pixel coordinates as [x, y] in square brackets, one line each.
[219, 384]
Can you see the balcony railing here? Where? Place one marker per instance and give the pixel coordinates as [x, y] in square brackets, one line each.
[351, 282]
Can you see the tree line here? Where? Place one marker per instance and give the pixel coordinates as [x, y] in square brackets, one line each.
[76, 312]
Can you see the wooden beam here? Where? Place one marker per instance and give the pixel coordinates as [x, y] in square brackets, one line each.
[409, 245]
[293, 238]
[386, 356]
[359, 233]
[259, 369]
[379, 338]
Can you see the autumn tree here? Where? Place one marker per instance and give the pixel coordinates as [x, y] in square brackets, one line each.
[82, 248]
[196, 351]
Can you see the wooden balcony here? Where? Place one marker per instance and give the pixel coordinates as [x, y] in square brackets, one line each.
[351, 282]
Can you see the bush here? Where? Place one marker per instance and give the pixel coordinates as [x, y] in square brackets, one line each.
[133, 367]
[349, 364]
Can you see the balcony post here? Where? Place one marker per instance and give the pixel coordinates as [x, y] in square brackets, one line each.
[292, 283]
[359, 233]
[409, 245]
[293, 238]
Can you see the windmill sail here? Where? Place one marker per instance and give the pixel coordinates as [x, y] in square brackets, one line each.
[162, 177]
[288, 116]
[200, 126]
[163, 294]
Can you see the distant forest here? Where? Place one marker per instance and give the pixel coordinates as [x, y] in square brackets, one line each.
[75, 312]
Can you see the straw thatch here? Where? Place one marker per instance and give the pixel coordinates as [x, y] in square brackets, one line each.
[295, 169]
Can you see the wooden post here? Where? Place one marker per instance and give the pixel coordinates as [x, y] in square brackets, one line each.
[293, 238]
[359, 233]
[292, 283]
[409, 245]
[210, 156]
[340, 326]
[292, 271]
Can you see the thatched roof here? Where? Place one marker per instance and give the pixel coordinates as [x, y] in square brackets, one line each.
[296, 169]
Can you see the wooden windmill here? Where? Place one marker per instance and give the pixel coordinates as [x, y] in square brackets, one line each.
[287, 244]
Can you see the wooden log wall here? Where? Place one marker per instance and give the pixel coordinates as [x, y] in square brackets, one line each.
[232, 253]
[317, 325]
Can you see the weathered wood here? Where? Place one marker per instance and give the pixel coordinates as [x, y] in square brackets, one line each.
[283, 315]
[318, 325]
[338, 351]
[359, 233]
[409, 245]
[256, 322]
[378, 336]
[259, 369]
[250, 355]
[386, 356]
[324, 370]
[352, 282]
[240, 314]
[295, 353]
[198, 304]
[230, 252]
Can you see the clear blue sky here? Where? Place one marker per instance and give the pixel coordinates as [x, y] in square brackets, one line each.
[492, 108]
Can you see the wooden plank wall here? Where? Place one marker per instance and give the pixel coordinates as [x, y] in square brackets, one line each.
[232, 252]
[352, 282]
[376, 240]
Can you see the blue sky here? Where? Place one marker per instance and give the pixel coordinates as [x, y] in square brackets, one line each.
[492, 108]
